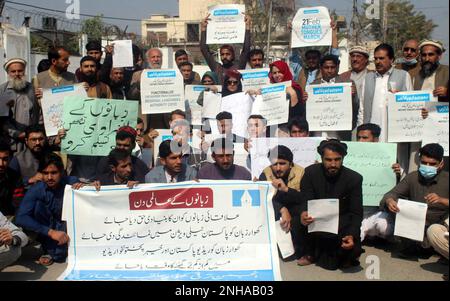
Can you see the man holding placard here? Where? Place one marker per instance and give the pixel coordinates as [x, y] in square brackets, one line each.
[429, 185]
[331, 181]
[227, 52]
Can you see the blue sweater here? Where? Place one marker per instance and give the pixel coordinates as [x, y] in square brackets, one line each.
[41, 209]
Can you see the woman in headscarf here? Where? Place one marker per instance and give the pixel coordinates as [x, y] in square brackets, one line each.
[280, 72]
[209, 79]
[232, 83]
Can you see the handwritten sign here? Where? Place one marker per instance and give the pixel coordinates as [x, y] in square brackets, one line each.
[210, 231]
[162, 91]
[329, 107]
[304, 150]
[192, 93]
[436, 126]
[123, 54]
[91, 124]
[272, 104]
[374, 162]
[311, 27]
[226, 25]
[240, 106]
[53, 106]
[254, 79]
[405, 122]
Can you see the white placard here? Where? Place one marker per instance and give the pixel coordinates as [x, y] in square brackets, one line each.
[212, 104]
[162, 91]
[240, 106]
[311, 27]
[405, 122]
[325, 213]
[53, 106]
[221, 230]
[329, 107]
[436, 125]
[192, 93]
[284, 241]
[254, 79]
[410, 221]
[226, 25]
[123, 54]
[273, 104]
[304, 150]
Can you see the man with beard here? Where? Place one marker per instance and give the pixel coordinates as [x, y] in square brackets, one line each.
[224, 168]
[227, 52]
[172, 168]
[117, 84]
[186, 69]
[285, 177]
[26, 162]
[18, 95]
[410, 60]
[94, 50]
[433, 75]
[88, 75]
[256, 59]
[121, 169]
[331, 180]
[57, 75]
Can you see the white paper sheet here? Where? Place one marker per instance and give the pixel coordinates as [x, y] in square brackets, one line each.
[240, 106]
[325, 213]
[226, 25]
[284, 241]
[273, 104]
[435, 129]
[410, 221]
[123, 54]
[212, 103]
[254, 79]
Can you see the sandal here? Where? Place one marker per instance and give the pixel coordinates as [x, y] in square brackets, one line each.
[46, 260]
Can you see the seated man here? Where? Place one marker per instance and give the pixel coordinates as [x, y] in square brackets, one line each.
[224, 168]
[172, 168]
[298, 128]
[126, 140]
[332, 180]
[12, 240]
[11, 185]
[437, 235]
[41, 209]
[285, 177]
[121, 169]
[26, 162]
[428, 185]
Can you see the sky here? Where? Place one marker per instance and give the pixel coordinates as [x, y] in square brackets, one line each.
[437, 10]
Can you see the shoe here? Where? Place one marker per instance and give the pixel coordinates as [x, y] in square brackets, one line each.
[305, 260]
[46, 260]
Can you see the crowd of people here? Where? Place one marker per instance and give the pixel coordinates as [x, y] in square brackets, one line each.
[33, 172]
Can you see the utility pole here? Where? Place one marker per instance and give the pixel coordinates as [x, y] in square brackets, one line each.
[385, 19]
[269, 27]
[355, 31]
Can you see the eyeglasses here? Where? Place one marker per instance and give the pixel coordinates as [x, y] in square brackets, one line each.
[232, 82]
[407, 49]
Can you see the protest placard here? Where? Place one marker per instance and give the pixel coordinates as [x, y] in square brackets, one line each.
[53, 106]
[192, 93]
[212, 104]
[91, 124]
[123, 54]
[436, 125]
[311, 27]
[304, 150]
[374, 162]
[405, 122]
[162, 91]
[226, 25]
[240, 106]
[272, 104]
[254, 79]
[221, 231]
[329, 107]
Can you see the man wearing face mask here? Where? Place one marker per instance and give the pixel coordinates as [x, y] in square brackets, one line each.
[428, 185]
[410, 60]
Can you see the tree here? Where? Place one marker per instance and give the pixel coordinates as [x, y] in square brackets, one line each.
[94, 28]
[403, 23]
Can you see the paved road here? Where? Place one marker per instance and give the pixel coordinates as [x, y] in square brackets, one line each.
[391, 269]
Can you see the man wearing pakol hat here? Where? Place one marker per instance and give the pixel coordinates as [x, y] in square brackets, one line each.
[17, 94]
[285, 176]
[433, 76]
[332, 180]
[359, 59]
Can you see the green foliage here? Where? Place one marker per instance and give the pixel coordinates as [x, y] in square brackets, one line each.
[94, 28]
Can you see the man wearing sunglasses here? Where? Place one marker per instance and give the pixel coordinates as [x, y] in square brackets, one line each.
[410, 60]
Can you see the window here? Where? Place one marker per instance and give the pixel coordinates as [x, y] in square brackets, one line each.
[193, 33]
